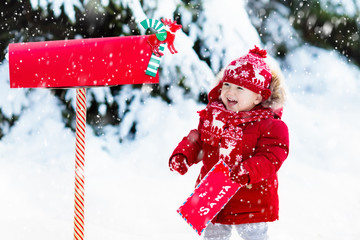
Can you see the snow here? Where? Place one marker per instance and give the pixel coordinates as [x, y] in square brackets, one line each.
[232, 31]
[343, 7]
[130, 192]
[56, 6]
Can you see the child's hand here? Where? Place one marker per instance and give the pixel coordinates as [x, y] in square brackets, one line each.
[179, 164]
[239, 175]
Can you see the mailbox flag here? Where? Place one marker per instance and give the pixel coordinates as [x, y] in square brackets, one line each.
[210, 196]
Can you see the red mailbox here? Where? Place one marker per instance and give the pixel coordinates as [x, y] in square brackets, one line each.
[80, 63]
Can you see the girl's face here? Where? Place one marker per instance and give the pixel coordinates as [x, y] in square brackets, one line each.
[237, 98]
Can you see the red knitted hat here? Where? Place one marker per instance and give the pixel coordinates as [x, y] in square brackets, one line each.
[249, 71]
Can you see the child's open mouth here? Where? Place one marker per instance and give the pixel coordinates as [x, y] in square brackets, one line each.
[232, 102]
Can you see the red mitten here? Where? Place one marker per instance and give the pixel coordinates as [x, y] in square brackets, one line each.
[179, 164]
[239, 175]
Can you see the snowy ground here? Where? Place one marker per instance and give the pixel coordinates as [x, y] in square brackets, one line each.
[131, 194]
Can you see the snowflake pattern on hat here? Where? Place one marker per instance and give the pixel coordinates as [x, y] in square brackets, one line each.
[244, 74]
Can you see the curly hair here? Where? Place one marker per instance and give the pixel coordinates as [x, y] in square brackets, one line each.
[278, 93]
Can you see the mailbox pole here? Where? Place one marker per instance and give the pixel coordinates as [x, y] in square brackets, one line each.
[80, 164]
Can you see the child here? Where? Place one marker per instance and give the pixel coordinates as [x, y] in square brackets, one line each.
[241, 125]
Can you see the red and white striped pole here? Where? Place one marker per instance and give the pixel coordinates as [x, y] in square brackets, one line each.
[80, 163]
